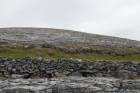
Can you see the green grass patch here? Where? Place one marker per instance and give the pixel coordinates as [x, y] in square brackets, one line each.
[45, 53]
[2, 77]
[136, 77]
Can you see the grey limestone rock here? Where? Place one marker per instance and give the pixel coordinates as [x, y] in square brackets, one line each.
[61, 48]
[87, 68]
[59, 36]
[57, 74]
[15, 76]
[2, 46]
[131, 84]
[76, 88]
[26, 47]
[123, 74]
[70, 85]
[86, 49]
[27, 89]
[136, 52]
[99, 51]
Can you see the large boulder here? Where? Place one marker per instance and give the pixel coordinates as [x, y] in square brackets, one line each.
[136, 52]
[124, 74]
[57, 74]
[10, 58]
[93, 50]
[131, 84]
[27, 89]
[26, 47]
[32, 46]
[15, 76]
[86, 49]
[99, 51]
[46, 45]
[61, 48]
[75, 88]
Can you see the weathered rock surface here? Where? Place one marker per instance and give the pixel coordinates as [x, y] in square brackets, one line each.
[86, 76]
[54, 36]
[69, 85]
[30, 67]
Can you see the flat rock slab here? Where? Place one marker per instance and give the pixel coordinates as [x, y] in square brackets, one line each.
[69, 85]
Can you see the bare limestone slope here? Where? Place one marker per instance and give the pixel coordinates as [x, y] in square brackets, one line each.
[81, 76]
[59, 36]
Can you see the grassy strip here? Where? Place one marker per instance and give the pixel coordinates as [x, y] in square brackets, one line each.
[136, 77]
[45, 53]
[3, 77]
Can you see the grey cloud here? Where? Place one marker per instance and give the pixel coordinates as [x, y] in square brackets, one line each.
[107, 17]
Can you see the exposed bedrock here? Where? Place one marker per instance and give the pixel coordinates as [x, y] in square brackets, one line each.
[59, 36]
[31, 67]
[70, 85]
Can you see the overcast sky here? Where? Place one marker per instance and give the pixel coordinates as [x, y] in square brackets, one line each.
[120, 18]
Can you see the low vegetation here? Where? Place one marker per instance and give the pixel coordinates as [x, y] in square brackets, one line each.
[3, 77]
[56, 53]
[136, 77]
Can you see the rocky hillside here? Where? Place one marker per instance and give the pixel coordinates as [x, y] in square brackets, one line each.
[59, 36]
[57, 43]
[45, 60]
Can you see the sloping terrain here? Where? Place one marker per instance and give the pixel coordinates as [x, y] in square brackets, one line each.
[58, 43]
[98, 63]
[59, 36]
